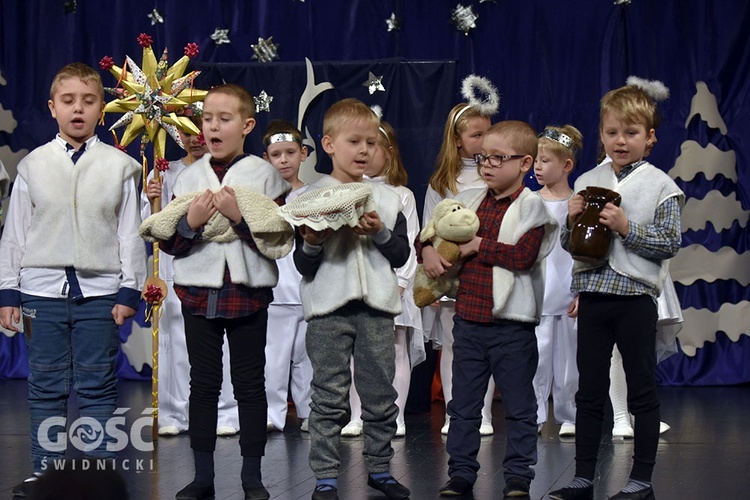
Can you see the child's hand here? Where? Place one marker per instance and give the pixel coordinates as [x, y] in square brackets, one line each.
[576, 205]
[573, 308]
[434, 264]
[470, 247]
[201, 209]
[369, 224]
[313, 237]
[153, 189]
[226, 203]
[120, 313]
[9, 317]
[614, 218]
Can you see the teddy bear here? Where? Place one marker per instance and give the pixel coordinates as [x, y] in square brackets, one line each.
[452, 223]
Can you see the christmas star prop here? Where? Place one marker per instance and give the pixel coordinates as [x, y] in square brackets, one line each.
[156, 17]
[464, 18]
[220, 36]
[265, 50]
[263, 102]
[374, 83]
[392, 22]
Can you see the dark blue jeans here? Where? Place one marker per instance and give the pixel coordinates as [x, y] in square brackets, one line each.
[505, 350]
[72, 343]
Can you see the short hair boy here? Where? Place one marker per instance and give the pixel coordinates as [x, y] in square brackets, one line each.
[75, 270]
[617, 299]
[354, 317]
[225, 287]
[498, 305]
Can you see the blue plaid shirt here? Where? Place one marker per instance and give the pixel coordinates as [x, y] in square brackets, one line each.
[658, 241]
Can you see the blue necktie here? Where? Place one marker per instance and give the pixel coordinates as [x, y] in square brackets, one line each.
[78, 153]
[74, 292]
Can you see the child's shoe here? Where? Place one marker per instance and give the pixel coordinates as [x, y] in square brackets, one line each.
[622, 429]
[226, 430]
[664, 427]
[304, 426]
[195, 492]
[486, 428]
[352, 429]
[446, 425]
[567, 429]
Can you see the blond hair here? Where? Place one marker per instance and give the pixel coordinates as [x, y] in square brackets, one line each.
[520, 135]
[247, 103]
[394, 171]
[86, 74]
[448, 164]
[345, 111]
[558, 149]
[632, 104]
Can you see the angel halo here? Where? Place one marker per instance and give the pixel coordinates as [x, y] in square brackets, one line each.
[488, 100]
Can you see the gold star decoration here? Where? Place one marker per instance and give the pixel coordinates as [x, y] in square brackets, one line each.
[263, 102]
[265, 50]
[220, 36]
[374, 83]
[464, 18]
[392, 22]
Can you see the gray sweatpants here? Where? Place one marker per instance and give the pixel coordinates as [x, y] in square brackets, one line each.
[360, 331]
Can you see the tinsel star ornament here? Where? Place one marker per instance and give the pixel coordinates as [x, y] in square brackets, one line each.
[152, 96]
[220, 36]
[464, 18]
[623, 2]
[265, 50]
[156, 17]
[374, 83]
[392, 22]
[263, 102]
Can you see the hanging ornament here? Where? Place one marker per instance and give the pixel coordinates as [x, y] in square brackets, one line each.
[70, 6]
[220, 36]
[623, 2]
[374, 83]
[265, 50]
[483, 1]
[263, 102]
[464, 18]
[392, 22]
[156, 17]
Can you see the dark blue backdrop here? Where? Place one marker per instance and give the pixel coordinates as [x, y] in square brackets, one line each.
[551, 60]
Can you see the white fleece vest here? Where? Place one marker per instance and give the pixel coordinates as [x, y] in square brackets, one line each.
[75, 216]
[642, 191]
[353, 268]
[519, 295]
[204, 265]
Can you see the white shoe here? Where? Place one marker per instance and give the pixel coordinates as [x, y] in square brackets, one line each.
[622, 430]
[446, 426]
[486, 428]
[352, 429]
[664, 427]
[226, 430]
[567, 429]
[304, 426]
[168, 430]
[539, 428]
[401, 430]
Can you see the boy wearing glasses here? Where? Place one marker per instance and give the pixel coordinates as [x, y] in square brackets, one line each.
[498, 306]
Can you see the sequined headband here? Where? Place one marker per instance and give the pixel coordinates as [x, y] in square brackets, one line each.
[563, 139]
[282, 137]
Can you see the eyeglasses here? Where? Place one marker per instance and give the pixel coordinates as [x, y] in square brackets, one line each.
[495, 161]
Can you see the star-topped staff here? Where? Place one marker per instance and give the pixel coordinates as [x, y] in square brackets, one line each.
[156, 100]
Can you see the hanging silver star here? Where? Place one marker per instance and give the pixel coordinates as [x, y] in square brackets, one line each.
[156, 17]
[220, 36]
[393, 23]
[463, 18]
[374, 83]
[623, 2]
[265, 50]
[70, 6]
[483, 1]
[263, 102]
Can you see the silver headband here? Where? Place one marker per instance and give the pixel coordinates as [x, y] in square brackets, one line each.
[563, 139]
[455, 118]
[385, 134]
[282, 137]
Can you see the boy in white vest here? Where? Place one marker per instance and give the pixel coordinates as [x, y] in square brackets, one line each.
[498, 305]
[72, 262]
[350, 298]
[225, 288]
[287, 363]
[617, 300]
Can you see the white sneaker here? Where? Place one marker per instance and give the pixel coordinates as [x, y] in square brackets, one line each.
[352, 429]
[486, 428]
[401, 430]
[446, 426]
[539, 428]
[304, 426]
[567, 429]
[226, 430]
[664, 427]
[622, 430]
[168, 430]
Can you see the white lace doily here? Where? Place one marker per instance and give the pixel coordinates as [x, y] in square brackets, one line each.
[330, 207]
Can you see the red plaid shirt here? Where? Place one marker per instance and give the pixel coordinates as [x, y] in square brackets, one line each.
[474, 297]
[231, 300]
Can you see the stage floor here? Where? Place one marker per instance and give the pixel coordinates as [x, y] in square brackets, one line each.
[704, 456]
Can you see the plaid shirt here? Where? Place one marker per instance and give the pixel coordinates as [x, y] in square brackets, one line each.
[474, 298]
[658, 241]
[231, 300]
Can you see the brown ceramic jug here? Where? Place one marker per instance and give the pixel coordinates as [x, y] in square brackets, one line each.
[589, 238]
